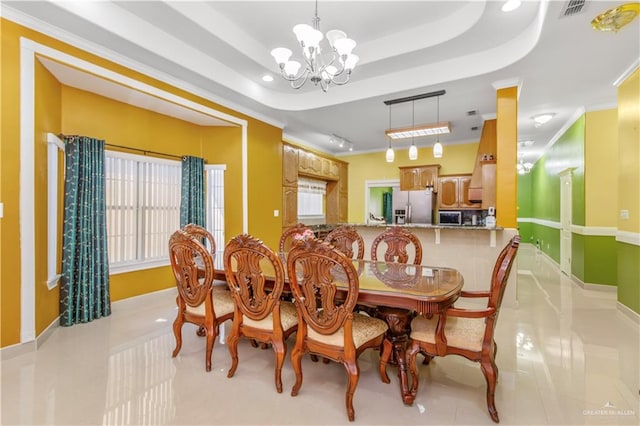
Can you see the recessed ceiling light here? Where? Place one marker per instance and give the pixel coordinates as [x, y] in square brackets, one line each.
[540, 119]
[268, 78]
[511, 5]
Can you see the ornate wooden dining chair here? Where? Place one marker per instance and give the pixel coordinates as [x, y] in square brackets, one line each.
[198, 302]
[466, 332]
[289, 236]
[397, 240]
[202, 235]
[327, 324]
[343, 238]
[256, 277]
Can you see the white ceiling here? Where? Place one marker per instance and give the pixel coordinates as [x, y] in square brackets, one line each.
[220, 49]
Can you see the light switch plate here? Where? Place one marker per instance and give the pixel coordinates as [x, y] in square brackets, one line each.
[1, 210]
[276, 213]
[624, 214]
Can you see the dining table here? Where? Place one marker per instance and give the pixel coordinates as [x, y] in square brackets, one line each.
[396, 293]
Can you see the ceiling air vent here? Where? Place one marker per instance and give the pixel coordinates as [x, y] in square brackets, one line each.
[472, 112]
[572, 7]
[474, 128]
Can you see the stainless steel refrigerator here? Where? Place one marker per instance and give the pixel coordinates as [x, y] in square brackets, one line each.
[413, 206]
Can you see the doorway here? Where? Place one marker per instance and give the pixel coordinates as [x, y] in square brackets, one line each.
[565, 221]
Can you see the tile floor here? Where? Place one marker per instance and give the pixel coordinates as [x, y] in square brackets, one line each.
[566, 356]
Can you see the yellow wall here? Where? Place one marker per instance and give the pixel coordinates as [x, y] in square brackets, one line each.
[601, 148]
[265, 175]
[10, 159]
[507, 146]
[629, 152]
[457, 159]
[228, 151]
[89, 114]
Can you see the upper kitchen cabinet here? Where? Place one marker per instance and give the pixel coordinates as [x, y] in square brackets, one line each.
[289, 166]
[312, 165]
[453, 193]
[418, 177]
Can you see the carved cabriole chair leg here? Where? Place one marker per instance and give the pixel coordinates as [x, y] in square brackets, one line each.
[412, 353]
[387, 349]
[177, 332]
[280, 351]
[211, 336]
[488, 369]
[353, 373]
[296, 362]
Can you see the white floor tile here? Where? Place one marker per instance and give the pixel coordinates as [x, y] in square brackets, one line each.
[565, 357]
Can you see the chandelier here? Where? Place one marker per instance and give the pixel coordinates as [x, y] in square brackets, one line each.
[323, 66]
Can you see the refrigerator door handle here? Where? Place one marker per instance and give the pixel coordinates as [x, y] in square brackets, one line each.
[408, 213]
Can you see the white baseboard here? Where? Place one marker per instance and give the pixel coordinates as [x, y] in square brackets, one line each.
[18, 349]
[55, 324]
[595, 287]
[628, 313]
[13, 351]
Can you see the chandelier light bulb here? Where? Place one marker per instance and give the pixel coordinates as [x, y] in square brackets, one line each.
[281, 55]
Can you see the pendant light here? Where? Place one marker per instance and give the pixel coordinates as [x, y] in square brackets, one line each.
[413, 150]
[437, 147]
[390, 154]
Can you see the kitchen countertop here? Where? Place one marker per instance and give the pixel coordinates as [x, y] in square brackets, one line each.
[430, 226]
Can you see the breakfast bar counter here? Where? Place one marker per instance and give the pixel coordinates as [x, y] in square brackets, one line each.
[472, 250]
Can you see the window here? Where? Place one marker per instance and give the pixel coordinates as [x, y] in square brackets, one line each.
[143, 209]
[215, 209]
[311, 195]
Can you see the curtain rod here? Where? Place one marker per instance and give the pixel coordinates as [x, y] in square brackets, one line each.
[415, 97]
[143, 151]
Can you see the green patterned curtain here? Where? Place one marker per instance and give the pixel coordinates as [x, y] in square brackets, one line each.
[84, 287]
[192, 195]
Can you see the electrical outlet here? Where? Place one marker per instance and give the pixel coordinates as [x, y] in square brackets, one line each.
[624, 214]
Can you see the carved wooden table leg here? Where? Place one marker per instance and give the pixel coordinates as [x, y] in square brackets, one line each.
[399, 321]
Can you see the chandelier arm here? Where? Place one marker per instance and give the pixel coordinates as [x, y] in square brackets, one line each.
[345, 81]
[302, 82]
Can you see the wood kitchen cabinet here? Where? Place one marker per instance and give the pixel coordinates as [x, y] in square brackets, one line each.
[296, 162]
[418, 177]
[453, 193]
[289, 206]
[289, 166]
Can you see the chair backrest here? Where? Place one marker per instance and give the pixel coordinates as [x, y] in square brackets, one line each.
[343, 238]
[248, 265]
[289, 234]
[193, 281]
[314, 267]
[501, 271]
[397, 239]
[202, 235]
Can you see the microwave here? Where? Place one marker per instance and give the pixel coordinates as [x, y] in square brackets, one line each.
[450, 218]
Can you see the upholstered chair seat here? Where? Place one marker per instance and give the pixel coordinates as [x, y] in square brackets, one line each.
[365, 328]
[288, 318]
[222, 303]
[463, 333]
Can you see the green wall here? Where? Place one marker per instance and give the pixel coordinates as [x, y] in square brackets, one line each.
[629, 272]
[593, 258]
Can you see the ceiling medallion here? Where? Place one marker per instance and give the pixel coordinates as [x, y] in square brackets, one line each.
[616, 18]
